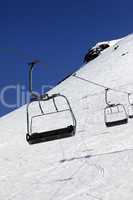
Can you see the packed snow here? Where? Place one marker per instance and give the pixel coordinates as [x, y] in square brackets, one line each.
[95, 164]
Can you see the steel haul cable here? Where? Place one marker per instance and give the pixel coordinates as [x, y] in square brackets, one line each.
[100, 85]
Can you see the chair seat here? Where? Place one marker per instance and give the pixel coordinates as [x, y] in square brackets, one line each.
[117, 123]
[130, 116]
[35, 138]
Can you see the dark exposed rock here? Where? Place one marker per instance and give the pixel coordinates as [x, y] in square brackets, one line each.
[94, 52]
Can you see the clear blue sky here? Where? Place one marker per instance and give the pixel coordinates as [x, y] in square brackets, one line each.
[58, 33]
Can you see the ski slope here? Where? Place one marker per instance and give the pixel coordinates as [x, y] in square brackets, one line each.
[96, 164]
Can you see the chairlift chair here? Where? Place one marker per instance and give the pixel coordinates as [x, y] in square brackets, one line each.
[114, 114]
[34, 137]
[130, 108]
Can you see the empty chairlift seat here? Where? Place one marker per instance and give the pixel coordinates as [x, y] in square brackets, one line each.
[130, 107]
[51, 129]
[130, 111]
[34, 137]
[115, 115]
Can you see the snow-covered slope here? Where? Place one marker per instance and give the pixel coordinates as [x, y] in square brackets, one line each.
[96, 164]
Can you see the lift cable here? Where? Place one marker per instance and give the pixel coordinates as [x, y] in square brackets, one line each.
[100, 85]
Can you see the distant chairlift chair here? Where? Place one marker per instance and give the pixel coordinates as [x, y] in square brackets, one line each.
[114, 114]
[45, 136]
[130, 108]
